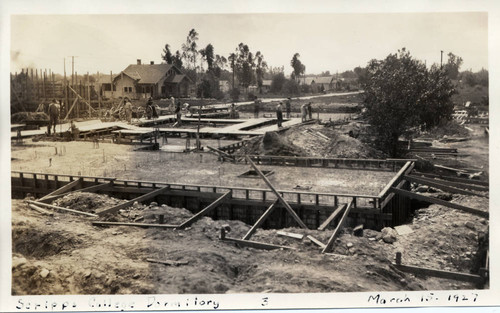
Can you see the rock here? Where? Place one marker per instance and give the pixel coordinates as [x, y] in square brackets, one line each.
[153, 203]
[421, 189]
[44, 273]
[349, 245]
[470, 225]
[137, 275]
[18, 262]
[454, 224]
[163, 205]
[372, 238]
[136, 204]
[87, 274]
[389, 235]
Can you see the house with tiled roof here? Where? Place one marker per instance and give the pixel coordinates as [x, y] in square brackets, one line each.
[151, 80]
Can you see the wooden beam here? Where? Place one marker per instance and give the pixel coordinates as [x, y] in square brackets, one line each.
[437, 273]
[63, 189]
[261, 220]
[452, 205]
[461, 183]
[221, 153]
[391, 195]
[60, 208]
[396, 178]
[133, 224]
[291, 235]
[71, 109]
[147, 196]
[436, 184]
[256, 244]
[316, 241]
[209, 208]
[332, 216]
[168, 262]
[94, 188]
[337, 229]
[287, 206]
[40, 210]
[81, 98]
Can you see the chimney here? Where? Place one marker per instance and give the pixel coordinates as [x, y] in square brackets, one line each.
[152, 62]
[138, 61]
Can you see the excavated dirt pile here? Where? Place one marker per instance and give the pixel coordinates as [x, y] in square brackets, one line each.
[312, 141]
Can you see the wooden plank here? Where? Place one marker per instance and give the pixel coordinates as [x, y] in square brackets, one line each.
[256, 244]
[60, 208]
[71, 109]
[469, 184]
[222, 153]
[40, 210]
[439, 273]
[291, 235]
[436, 184]
[87, 189]
[316, 241]
[452, 205]
[337, 229]
[398, 176]
[261, 220]
[456, 179]
[209, 208]
[287, 206]
[133, 224]
[168, 262]
[332, 216]
[63, 189]
[147, 196]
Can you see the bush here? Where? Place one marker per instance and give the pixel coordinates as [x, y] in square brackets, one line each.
[235, 94]
[291, 87]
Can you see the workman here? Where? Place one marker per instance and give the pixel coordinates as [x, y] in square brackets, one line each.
[178, 113]
[288, 106]
[309, 110]
[128, 109]
[232, 111]
[279, 114]
[256, 108]
[303, 112]
[54, 109]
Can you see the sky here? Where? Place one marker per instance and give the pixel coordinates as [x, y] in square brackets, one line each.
[325, 42]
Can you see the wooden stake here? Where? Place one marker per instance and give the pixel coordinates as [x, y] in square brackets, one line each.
[260, 221]
[283, 201]
[337, 229]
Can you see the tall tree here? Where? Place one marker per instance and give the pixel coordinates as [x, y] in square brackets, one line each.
[177, 59]
[452, 67]
[167, 55]
[190, 49]
[298, 67]
[260, 69]
[244, 65]
[232, 58]
[400, 93]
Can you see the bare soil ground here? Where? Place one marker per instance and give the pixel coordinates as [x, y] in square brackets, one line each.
[65, 254]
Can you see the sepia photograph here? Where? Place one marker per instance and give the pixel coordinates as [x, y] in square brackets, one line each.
[249, 153]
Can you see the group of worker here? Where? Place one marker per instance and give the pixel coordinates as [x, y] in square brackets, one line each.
[305, 110]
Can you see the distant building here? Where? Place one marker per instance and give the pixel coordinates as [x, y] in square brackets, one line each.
[266, 85]
[150, 80]
[317, 83]
[224, 86]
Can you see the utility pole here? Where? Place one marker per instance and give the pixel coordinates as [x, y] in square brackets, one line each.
[72, 70]
[441, 59]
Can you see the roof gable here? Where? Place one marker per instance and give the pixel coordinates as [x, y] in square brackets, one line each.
[148, 73]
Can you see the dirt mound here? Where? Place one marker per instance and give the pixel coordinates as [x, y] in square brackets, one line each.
[310, 141]
[23, 117]
[42, 243]
[451, 128]
[271, 144]
[87, 201]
